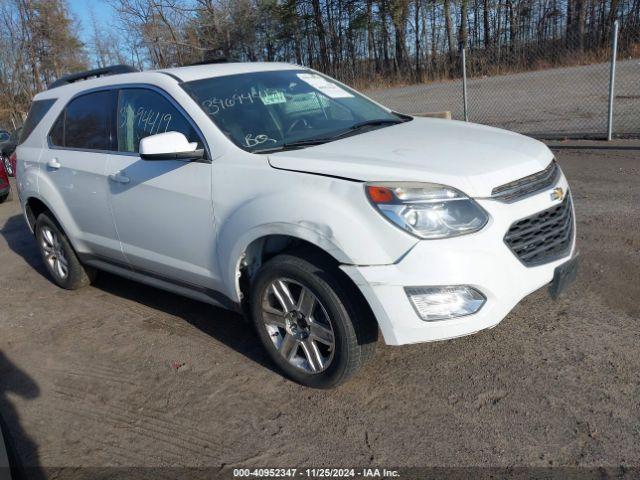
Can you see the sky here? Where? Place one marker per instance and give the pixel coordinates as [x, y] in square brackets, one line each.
[82, 9]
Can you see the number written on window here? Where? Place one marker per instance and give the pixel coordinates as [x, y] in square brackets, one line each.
[142, 113]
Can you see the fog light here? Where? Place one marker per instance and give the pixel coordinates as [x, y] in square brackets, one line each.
[441, 303]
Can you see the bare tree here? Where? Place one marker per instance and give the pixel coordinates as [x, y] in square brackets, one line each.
[359, 41]
[33, 53]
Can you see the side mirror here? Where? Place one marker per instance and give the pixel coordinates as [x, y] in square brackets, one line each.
[169, 146]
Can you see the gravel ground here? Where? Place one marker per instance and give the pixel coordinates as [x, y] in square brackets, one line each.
[120, 374]
[559, 101]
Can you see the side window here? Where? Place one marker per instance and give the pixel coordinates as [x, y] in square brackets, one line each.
[143, 112]
[38, 110]
[87, 122]
[56, 136]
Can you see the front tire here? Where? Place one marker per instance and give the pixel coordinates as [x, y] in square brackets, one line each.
[58, 255]
[311, 326]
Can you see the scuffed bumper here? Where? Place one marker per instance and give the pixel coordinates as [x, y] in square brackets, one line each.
[480, 260]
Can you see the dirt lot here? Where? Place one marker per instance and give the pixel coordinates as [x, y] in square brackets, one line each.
[120, 374]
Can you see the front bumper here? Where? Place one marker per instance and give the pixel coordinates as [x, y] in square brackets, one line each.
[481, 260]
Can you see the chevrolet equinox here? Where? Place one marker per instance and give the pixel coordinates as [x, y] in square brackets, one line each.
[278, 192]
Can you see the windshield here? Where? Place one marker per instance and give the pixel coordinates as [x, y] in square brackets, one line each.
[267, 111]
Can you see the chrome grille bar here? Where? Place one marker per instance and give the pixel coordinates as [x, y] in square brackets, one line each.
[523, 187]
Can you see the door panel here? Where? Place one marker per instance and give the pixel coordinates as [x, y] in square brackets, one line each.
[80, 179]
[164, 217]
[163, 210]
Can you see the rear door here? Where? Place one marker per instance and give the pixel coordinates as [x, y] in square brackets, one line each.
[76, 161]
[31, 148]
[162, 209]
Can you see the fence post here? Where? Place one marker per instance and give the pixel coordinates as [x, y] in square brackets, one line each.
[464, 84]
[612, 78]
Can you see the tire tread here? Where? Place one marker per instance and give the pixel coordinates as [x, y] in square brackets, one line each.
[79, 276]
[359, 336]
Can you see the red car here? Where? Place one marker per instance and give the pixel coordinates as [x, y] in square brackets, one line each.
[8, 151]
[13, 159]
[5, 186]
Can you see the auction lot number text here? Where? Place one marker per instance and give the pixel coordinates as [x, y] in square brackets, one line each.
[314, 473]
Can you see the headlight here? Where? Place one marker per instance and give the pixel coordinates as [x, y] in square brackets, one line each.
[427, 210]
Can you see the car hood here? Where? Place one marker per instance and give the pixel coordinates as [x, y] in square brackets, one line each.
[472, 158]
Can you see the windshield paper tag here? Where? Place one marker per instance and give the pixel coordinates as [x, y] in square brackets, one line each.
[273, 97]
[330, 89]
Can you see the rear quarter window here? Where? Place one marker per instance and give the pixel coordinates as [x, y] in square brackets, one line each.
[38, 110]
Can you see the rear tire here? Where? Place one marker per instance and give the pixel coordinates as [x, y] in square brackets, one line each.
[312, 328]
[3, 198]
[58, 255]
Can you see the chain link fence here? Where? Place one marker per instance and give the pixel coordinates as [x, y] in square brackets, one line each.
[545, 100]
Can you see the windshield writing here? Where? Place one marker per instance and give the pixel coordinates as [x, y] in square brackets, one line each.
[270, 109]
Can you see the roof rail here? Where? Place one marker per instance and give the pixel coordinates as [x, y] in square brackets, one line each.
[209, 61]
[98, 72]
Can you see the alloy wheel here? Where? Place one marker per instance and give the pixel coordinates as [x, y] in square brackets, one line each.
[54, 253]
[298, 325]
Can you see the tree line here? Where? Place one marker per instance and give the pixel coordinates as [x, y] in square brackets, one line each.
[366, 43]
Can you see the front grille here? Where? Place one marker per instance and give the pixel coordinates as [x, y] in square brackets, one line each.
[512, 191]
[543, 237]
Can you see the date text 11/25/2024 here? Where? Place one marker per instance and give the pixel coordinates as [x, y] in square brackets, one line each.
[314, 473]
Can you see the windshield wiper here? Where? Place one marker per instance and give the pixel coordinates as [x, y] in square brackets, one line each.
[293, 145]
[367, 123]
[319, 141]
[380, 121]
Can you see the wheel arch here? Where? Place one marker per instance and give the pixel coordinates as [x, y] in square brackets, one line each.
[258, 245]
[33, 207]
[261, 249]
[48, 195]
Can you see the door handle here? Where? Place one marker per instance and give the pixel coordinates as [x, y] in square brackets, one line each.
[54, 163]
[119, 177]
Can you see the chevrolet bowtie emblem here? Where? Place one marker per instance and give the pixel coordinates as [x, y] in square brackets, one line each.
[557, 194]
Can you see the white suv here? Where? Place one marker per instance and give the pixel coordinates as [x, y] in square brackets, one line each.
[275, 191]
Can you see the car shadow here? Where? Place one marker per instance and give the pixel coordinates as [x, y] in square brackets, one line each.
[20, 241]
[227, 327]
[21, 449]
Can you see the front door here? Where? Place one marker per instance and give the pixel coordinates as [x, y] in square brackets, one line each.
[163, 210]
